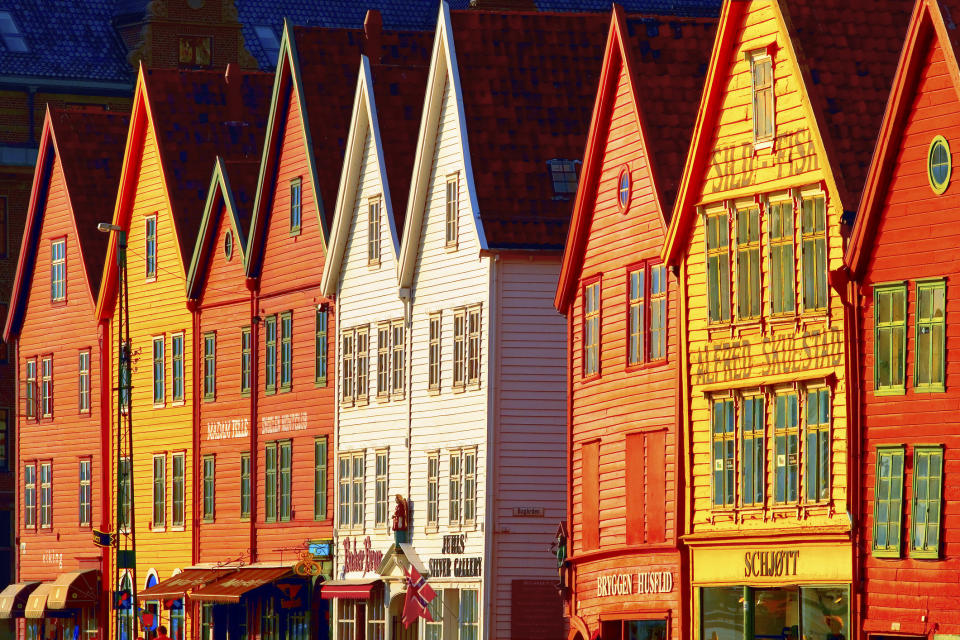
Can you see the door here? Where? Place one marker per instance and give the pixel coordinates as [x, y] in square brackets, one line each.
[399, 633]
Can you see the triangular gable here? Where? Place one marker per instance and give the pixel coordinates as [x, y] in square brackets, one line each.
[443, 69]
[928, 26]
[220, 194]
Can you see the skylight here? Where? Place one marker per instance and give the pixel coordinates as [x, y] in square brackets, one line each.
[11, 35]
[564, 174]
[268, 40]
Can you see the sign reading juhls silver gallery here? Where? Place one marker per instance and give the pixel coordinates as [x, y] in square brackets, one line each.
[455, 567]
[626, 584]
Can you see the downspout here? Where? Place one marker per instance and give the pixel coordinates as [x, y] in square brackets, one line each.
[106, 468]
[493, 420]
[852, 309]
[684, 421]
[197, 481]
[570, 549]
[253, 287]
[405, 294]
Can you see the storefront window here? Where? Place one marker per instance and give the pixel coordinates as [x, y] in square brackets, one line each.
[376, 617]
[269, 622]
[826, 613]
[125, 616]
[346, 619]
[206, 621]
[33, 630]
[776, 613]
[722, 615]
[90, 623]
[176, 620]
[469, 615]
[633, 630]
[434, 630]
[786, 613]
[298, 625]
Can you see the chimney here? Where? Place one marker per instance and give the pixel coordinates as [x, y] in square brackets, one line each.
[233, 77]
[373, 30]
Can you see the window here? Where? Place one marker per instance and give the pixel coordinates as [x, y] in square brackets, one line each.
[286, 350]
[270, 482]
[623, 189]
[285, 453]
[456, 488]
[125, 616]
[83, 382]
[817, 450]
[718, 267]
[362, 358]
[383, 360]
[459, 347]
[564, 176]
[469, 615]
[635, 311]
[452, 213]
[347, 380]
[30, 390]
[177, 620]
[724, 444]
[433, 489]
[641, 346]
[753, 451]
[469, 486]
[159, 490]
[591, 329]
[761, 69]
[4, 439]
[179, 467]
[748, 263]
[209, 366]
[890, 337]
[320, 348]
[270, 359]
[781, 258]
[159, 394]
[939, 164]
[30, 495]
[351, 489]
[245, 488]
[46, 494]
[930, 328]
[786, 444]
[46, 387]
[433, 630]
[268, 40]
[209, 486]
[320, 478]
[376, 617]
[150, 251]
[473, 346]
[12, 36]
[382, 497]
[373, 232]
[433, 355]
[269, 621]
[194, 50]
[346, 619]
[85, 494]
[590, 462]
[888, 502]
[658, 312]
[206, 621]
[927, 499]
[295, 202]
[228, 245]
[246, 360]
[58, 270]
[176, 348]
[813, 254]
[396, 361]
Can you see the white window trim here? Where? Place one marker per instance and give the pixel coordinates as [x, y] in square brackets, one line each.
[753, 57]
[173, 337]
[186, 514]
[451, 245]
[156, 248]
[153, 462]
[163, 369]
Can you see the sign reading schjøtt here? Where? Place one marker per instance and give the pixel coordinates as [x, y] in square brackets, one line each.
[628, 584]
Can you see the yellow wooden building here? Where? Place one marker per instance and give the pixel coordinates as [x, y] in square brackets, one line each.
[181, 121]
[780, 148]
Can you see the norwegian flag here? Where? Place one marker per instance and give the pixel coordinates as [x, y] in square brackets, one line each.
[419, 596]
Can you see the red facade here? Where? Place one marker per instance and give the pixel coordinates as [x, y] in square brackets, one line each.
[903, 254]
[626, 570]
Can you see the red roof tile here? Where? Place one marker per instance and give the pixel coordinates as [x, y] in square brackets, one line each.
[529, 81]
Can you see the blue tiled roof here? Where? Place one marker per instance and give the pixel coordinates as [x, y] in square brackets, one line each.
[72, 39]
[697, 8]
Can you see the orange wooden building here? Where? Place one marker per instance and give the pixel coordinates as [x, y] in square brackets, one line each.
[902, 262]
[63, 482]
[625, 567]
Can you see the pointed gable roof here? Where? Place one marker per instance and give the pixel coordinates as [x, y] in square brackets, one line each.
[665, 60]
[320, 65]
[847, 53]
[89, 145]
[195, 116]
[932, 22]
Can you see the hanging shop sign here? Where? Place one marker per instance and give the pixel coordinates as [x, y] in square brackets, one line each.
[628, 584]
[455, 567]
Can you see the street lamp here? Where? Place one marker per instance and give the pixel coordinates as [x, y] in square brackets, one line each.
[125, 530]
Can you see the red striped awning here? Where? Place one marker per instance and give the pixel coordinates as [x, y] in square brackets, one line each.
[234, 586]
[348, 589]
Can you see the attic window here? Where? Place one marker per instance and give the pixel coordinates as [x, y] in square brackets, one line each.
[564, 174]
[938, 164]
[268, 40]
[11, 35]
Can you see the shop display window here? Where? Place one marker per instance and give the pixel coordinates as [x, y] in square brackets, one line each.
[722, 613]
[634, 630]
[785, 613]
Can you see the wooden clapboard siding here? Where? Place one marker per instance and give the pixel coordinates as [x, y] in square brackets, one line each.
[289, 280]
[224, 309]
[60, 330]
[915, 238]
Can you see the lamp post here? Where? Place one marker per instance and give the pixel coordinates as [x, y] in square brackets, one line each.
[125, 540]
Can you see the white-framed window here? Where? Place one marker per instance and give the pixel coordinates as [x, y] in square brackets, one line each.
[391, 350]
[761, 73]
[455, 489]
[433, 629]
[159, 371]
[176, 348]
[46, 494]
[433, 489]
[30, 495]
[85, 494]
[469, 614]
[376, 616]
[462, 486]
[30, 388]
[159, 490]
[473, 345]
[433, 354]
[373, 231]
[150, 247]
[350, 489]
[362, 385]
[459, 348]
[296, 193]
[346, 619]
[397, 351]
[348, 367]
[383, 360]
[83, 382]
[46, 386]
[58, 270]
[179, 469]
[451, 217]
[381, 488]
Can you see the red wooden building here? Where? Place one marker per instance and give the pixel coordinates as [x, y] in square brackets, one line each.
[62, 482]
[902, 261]
[626, 571]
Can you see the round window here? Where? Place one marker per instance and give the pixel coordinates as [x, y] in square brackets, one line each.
[228, 245]
[623, 189]
[938, 164]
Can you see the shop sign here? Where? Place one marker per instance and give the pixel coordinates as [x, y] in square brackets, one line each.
[778, 562]
[628, 584]
[361, 561]
[455, 567]
[285, 423]
[227, 429]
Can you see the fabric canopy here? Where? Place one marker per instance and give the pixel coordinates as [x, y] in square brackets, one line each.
[348, 589]
[13, 599]
[234, 586]
[179, 585]
[74, 590]
[37, 602]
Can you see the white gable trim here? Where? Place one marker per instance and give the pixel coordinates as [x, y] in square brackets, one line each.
[443, 68]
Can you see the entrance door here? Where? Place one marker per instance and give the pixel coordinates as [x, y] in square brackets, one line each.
[399, 633]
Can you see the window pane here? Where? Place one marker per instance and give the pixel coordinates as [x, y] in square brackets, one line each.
[722, 613]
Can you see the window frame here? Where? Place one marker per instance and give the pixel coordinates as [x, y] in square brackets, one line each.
[30, 519]
[296, 206]
[45, 506]
[286, 352]
[926, 553]
[936, 187]
[31, 390]
[888, 551]
[158, 515]
[935, 386]
[58, 285]
[209, 479]
[451, 217]
[270, 484]
[348, 365]
[433, 489]
[381, 486]
[177, 369]
[640, 335]
[85, 490]
[758, 480]
[821, 428]
[878, 290]
[815, 236]
[321, 345]
[178, 484]
[761, 138]
[435, 352]
[459, 349]
[350, 487]
[209, 366]
[84, 387]
[46, 386]
[727, 440]
[474, 345]
[721, 254]
[454, 489]
[246, 360]
[588, 315]
[398, 359]
[786, 205]
[361, 365]
[246, 486]
[270, 354]
[374, 230]
[150, 246]
[284, 480]
[787, 431]
[744, 250]
[159, 360]
[321, 453]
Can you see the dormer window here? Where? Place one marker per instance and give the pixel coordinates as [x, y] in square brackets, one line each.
[373, 232]
[268, 40]
[12, 37]
[761, 73]
[451, 215]
[150, 242]
[58, 270]
[295, 202]
[564, 176]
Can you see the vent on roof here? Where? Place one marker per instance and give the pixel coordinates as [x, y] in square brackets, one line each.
[268, 40]
[11, 35]
[565, 174]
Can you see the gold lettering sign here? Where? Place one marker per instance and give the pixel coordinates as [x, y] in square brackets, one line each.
[775, 563]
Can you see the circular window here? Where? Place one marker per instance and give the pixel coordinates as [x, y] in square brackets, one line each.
[938, 164]
[623, 189]
[228, 245]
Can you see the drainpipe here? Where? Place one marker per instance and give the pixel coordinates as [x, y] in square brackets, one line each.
[197, 377]
[106, 468]
[490, 524]
[405, 295]
[254, 287]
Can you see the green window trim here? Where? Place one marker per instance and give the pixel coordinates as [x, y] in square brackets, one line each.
[246, 361]
[882, 546]
[209, 366]
[209, 487]
[321, 348]
[285, 477]
[270, 356]
[320, 453]
[296, 206]
[753, 451]
[245, 486]
[889, 334]
[782, 258]
[717, 239]
[817, 446]
[813, 253]
[159, 371]
[786, 452]
[286, 350]
[270, 482]
[930, 330]
[724, 452]
[176, 348]
[748, 263]
[926, 510]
